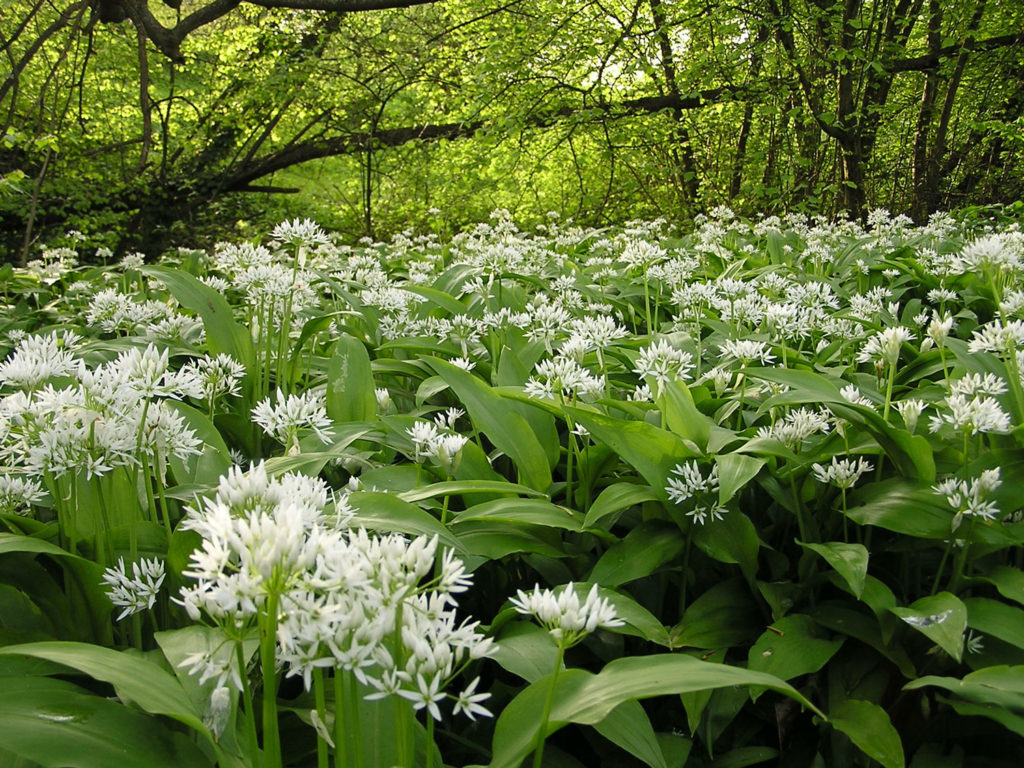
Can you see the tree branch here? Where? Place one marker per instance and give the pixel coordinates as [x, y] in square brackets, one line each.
[168, 40]
[931, 60]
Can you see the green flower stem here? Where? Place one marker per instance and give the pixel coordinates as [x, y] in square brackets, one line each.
[942, 565]
[961, 559]
[268, 642]
[164, 508]
[1013, 376]
[429, 746]
[538, 752]
[320, 697]
[340, 737]
[250, 713]
[352, 712]
[888, 393]
[846, 534]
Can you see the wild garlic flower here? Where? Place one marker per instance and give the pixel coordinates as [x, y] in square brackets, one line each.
[38, 358]
[429, 443]
[596, 331]
[910, 409]
[852, 394]
[563, 615]
[972, 384]
[842, 473]
[384, 402]
[18, 494]
[545, 322]
[283, 419]
[299, 233]
[135, 593]
[662, 363]
[885, 345]
[639, 254]
[688, 482]
[563, 377]
[939, 328]
[970, 497]
[998, 338]
[972, 415]
[746, 351]
[207, 378]
[797, 426]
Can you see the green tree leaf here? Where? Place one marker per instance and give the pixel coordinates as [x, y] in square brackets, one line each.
[870, 728]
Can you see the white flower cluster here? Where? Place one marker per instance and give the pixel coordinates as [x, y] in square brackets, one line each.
[564, 616]
[110, 418]
[135, 593]
[661, 362]
[371, 605]
[430, 443]
[688, 483]
[797, 426]
[970, 498]
[971, 415]
[38, 358]
[563, 377]
[842, 473]
[283, 416]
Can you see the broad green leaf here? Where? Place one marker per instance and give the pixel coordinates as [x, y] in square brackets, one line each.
[136, 680]
[942, 618]
[911, 453]
[213, 462]
[59, 725]
[616, 498]
[645, 549]
[997, 619]
[526, 650]
[733, 539]
[722, 617]
[84, 582]
[1009, 581]
[493, 541]
[904, 507]
[581, 697]
[529, 511]
[993, 692]
[460, 487]
[312, 462]
[869, 727]
[629, 727]
[651, 451]
[735, 470]
[639, 621]
[497, 418]
[848, 560]
[387, 512]
[223, 334]
[792, 646]
[681, 415]
[350, 386]
[741, 757]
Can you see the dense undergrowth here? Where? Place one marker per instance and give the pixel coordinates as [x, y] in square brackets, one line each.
[748, 495]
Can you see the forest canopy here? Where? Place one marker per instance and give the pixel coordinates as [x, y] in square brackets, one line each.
[144, 123]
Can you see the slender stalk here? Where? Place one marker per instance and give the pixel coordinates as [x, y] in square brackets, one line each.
[538, 752]
[430, 742]
[340, 738]
[320, 696]
[352, 710]
[250, 714]
[268, 641]
[888, 394]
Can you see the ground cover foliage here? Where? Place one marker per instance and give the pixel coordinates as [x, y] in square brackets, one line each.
[602, 497]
